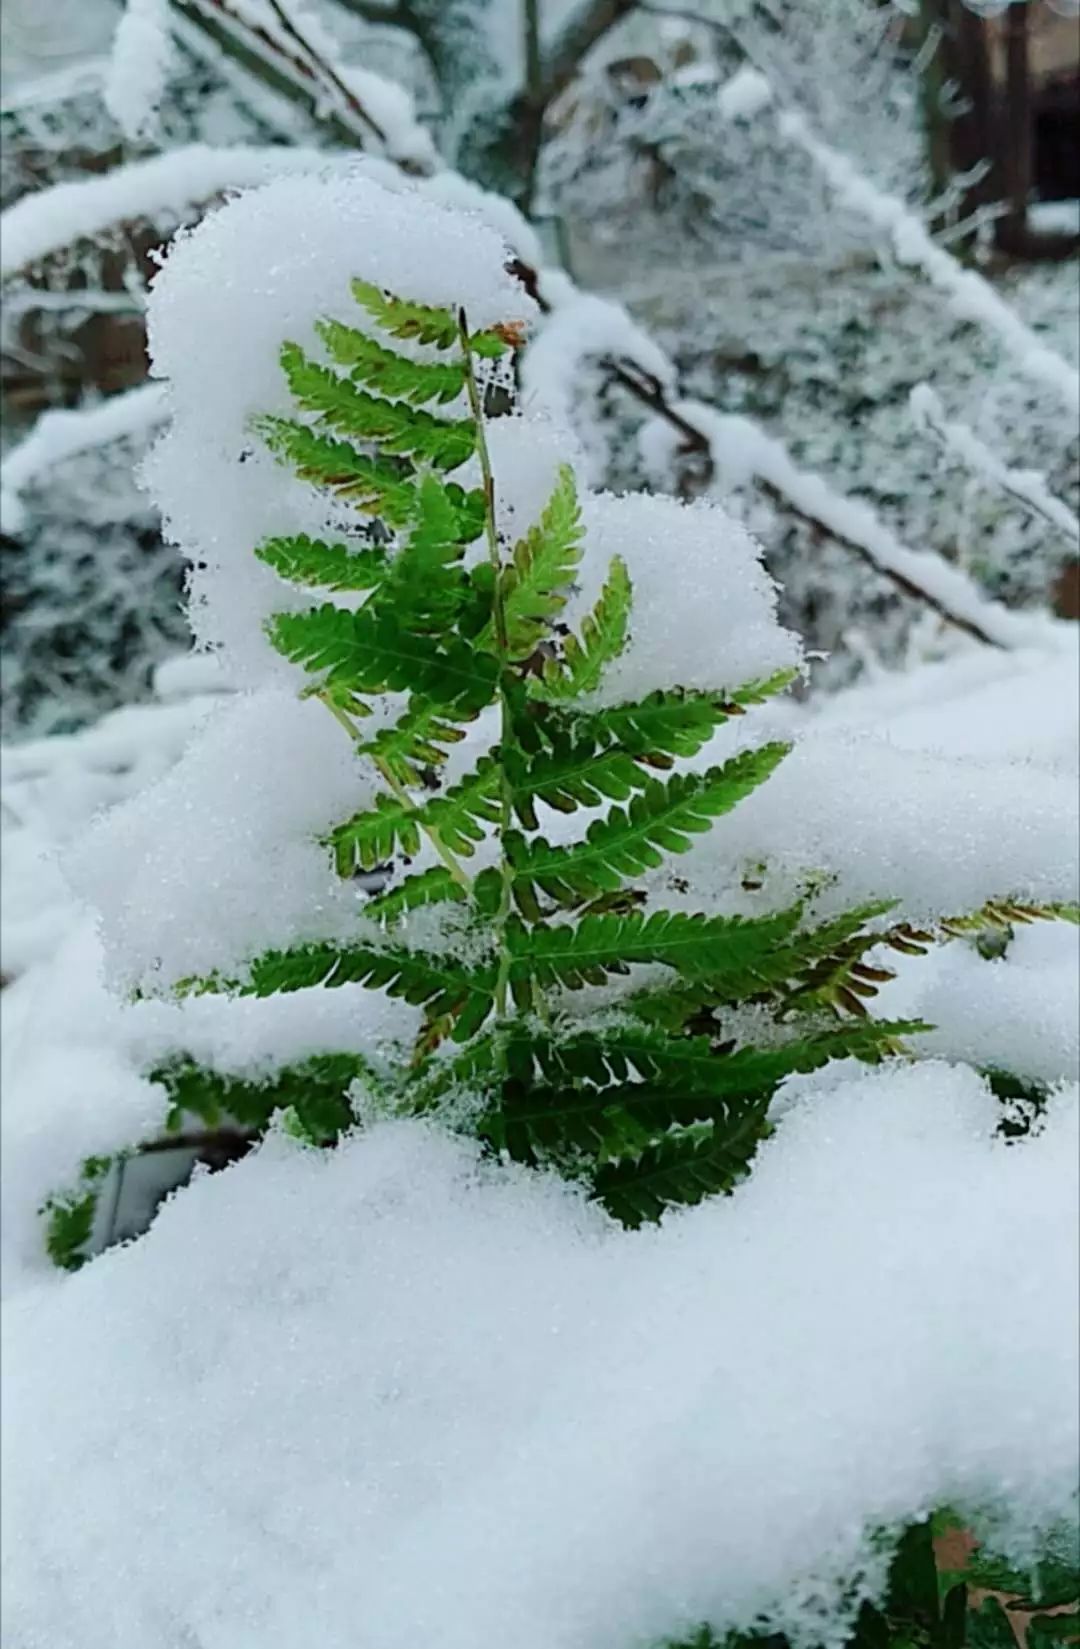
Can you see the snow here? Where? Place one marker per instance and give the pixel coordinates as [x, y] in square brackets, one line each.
[142, 56]
[75, 1058]
[1054, 217]
[1027, 485]
[1018, 707]
[970, 293]
[308, 53]
[167, 185]
[221, 860]
[395, 1393]
[704, 609]
[745, 95]
[527, 453]
[61, 434]
[390, 1394]
[254, 274]
[1016, 1013]
[581, 331]
[940, 835]
[743, 452]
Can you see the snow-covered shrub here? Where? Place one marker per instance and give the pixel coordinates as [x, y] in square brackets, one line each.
[501, 1418]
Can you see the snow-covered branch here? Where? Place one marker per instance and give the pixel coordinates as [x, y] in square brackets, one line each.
[142, 57]
[58, 435]
[1028, 486]
[969, 293]
[298, 52]
[168, 185]
[743, 453]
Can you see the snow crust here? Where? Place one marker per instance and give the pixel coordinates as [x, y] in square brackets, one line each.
[387, 1394]
[1017, 1013]
[940, 835]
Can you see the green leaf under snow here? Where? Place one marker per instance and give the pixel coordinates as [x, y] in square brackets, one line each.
[683, 1168]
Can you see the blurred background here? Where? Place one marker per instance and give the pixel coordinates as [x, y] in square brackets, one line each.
[647, 145]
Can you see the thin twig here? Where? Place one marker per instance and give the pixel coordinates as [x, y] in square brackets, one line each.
[326, 71]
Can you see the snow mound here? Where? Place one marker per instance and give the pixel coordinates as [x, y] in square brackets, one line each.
[704, 608]
[391, 1395]
[221, 859]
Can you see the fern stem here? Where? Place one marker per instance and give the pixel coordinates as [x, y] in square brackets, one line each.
[498, 610]
[452, 864]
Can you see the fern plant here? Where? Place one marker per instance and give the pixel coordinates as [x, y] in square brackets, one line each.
[652, 1101]
[658, 1096]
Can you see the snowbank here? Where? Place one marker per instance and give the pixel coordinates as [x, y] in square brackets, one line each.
[388, 1396]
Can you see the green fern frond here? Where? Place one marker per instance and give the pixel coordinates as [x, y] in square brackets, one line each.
[398, 429]
[373, 485]
[373, 836]
[661, 819]
[314, 1089]
[425, 979]
[578, 1092]
[384, 370]
[536, 582]
[418, 322]
[458, 816]
[371, 653]
[683, 1168]
[603, 637]
[311, 562]
[417, 740]
[671, 721]
[434, 886]
[693, 1064]
[733, 949]
[568, 775]
[787, 971]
